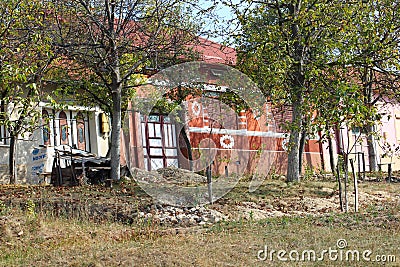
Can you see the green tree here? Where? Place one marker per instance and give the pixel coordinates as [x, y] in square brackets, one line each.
[292, 49]
[375, 61]
[107, 43]
[25, 55]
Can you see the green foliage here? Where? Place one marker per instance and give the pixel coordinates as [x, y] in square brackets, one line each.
[308, 173]
[105, 45]
[151, 35]
[4, 210]
[30, 208]
[297, 53]
[327, 60]
[23, 65]
[289, 49]
[25, 55]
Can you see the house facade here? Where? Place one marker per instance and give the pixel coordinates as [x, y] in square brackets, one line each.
[233, 143]
[388, 146]
[386, 141]
[74, 127]
[231, 140]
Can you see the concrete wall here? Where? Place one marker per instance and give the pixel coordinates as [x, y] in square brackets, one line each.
[390, 137]
[24, 149]
[99, 141]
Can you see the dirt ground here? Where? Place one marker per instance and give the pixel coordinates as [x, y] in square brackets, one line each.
[123, 226]
[126, 201]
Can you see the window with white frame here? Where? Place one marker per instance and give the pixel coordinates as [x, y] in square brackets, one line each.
[46, 127]
[80, 131]
[63, 127]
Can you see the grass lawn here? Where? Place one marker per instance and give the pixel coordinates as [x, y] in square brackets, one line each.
[32, 237]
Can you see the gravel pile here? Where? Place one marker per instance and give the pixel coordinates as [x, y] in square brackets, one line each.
[170, 215]
[169, 175]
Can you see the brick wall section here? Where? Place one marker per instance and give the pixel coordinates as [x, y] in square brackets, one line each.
[282, 116]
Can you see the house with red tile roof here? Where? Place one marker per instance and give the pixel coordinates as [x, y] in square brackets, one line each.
[242, 141]
[239, 140]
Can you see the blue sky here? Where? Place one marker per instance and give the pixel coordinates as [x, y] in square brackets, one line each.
[224, 14]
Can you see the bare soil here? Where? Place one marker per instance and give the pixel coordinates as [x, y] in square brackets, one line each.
[123, 226]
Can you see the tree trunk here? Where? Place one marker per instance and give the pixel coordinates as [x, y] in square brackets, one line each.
[297, 85]
[188, 147]
[331, 156]
[373, 163]
[346, 176]
[301, 149]
[11, 160]
[115, 150]
[367, 80]
[340, 188]
[183, 126]
[116, 95]
[293, 174]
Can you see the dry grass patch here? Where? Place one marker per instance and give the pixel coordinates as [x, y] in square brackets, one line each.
[31, 235]
[60, 242]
